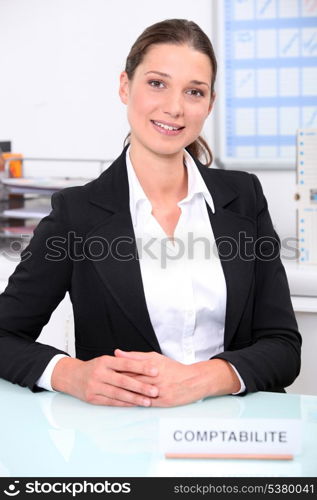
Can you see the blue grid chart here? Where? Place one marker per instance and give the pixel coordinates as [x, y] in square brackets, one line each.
[270, 75]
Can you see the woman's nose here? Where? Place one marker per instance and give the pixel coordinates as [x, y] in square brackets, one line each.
[173, 105]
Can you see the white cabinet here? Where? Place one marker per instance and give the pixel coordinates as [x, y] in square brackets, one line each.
[303, 286]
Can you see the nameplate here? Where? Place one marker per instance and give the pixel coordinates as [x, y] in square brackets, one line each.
[230, 438]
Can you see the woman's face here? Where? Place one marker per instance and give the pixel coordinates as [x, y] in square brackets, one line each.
[168, 98]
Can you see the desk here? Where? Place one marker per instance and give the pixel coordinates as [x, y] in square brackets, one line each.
[52, 434]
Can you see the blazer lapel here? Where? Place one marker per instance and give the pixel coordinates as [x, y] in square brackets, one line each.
[120, 269]
[230, 230]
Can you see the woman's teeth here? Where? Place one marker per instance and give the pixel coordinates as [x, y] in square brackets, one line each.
[166, 127]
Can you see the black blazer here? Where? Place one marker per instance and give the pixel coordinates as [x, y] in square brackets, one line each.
[86, 246]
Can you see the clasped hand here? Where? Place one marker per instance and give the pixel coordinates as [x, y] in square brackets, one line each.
[142, 379]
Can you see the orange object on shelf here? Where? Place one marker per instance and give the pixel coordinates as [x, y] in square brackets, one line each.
[15, 164]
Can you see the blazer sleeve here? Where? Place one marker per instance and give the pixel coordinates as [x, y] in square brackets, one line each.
[34, 290]
[272, 360]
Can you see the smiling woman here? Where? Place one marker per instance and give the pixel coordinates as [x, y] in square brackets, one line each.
[189, 45]
[171, 105]
[177, 307]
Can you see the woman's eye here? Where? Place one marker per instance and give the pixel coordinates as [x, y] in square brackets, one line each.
[156, 84]
[196, 92]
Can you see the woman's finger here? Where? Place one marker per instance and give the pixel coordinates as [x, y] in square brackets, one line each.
[127, 364]
[133, 354]
[132, 384]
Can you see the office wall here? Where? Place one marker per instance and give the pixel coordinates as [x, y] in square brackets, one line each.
[61, 61]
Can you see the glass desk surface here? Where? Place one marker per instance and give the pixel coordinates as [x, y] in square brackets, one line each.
[54, 435]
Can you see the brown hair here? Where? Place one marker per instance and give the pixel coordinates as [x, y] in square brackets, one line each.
[178, 32]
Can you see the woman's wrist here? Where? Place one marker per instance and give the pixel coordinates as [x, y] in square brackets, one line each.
[63, 374]
[215, 377]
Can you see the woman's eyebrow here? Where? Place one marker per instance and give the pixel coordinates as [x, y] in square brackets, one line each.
[166, 75]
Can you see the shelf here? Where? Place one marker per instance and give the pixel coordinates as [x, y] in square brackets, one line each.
[41, 185]
[25, 201]
[13, 231]
[26, 213]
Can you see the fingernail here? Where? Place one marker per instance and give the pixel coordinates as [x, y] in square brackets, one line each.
[153, 371]
[154, 391]
[146, 402]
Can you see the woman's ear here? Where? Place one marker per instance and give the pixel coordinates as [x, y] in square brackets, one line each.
[124, 87]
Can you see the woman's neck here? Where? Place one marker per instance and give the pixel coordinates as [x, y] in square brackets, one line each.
[162, 177]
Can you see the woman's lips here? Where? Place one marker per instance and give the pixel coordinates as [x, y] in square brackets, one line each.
[165, 131]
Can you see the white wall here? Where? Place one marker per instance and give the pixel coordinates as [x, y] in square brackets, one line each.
[61, 61]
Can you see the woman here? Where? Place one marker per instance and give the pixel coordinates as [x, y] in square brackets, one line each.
[152, 326]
